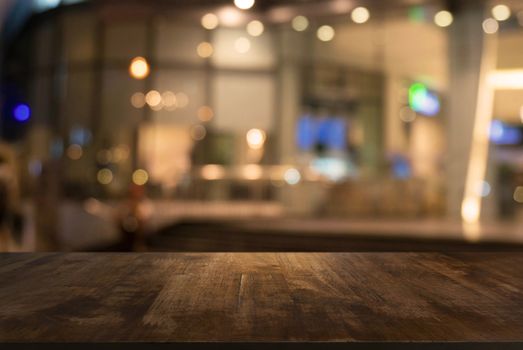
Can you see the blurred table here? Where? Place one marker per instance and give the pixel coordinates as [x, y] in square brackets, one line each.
[345, 300]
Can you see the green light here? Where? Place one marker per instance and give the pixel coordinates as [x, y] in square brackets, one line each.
[416, 14]
[423, 101]
[417, 96]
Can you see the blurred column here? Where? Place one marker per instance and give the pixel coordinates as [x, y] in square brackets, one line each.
[395, 138]
[293, 49]
[469, 57]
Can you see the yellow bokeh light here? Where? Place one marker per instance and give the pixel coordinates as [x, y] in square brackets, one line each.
[139, 68]
[325, 33]
[205, 50]
[169, 100]
[205, 113]
[104, 176]
[255, 28]
[140, 177]
[300, 23]
[210, 21]
[242, 45]
[443, 19]
[360, 15]
[153, 98]
[506, 79]
[518, 194]
[138, 100]
[120, 153]
[501, 12]
[212, 172]
[255, 138]
[244, 4]
[470, 210]
[252, 172]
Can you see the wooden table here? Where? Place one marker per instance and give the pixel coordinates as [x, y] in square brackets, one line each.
[342, 300]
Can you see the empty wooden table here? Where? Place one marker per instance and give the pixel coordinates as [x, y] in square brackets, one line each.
[346, 300]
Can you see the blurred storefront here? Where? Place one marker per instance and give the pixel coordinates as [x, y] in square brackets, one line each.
[325, 108]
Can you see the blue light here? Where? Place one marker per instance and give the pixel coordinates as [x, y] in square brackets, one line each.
[56, 149]
[44, 5]
[328, 132]
[503, 134]
[337, 139]
[423, 101]
[324, 129]
[306, 133]
[22, 112]
[79, 136]
[401, 167]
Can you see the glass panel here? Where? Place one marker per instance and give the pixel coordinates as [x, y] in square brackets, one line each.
[243, 101]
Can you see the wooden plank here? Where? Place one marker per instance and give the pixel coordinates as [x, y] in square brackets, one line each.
[266, 297]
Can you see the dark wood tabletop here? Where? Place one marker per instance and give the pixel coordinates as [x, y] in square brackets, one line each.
[261, 297]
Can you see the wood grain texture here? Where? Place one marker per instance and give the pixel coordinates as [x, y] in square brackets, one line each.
[172, 297]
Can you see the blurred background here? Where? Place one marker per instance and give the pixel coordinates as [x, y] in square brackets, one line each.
[297, 125]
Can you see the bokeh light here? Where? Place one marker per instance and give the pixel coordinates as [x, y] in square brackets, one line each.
[255, 138]
[153, 98]
[407, 114]
[292, 176]
[80, 136]
[22, 112]
[252, 172]
[43, 5]
[325, 33]
[205, 113]
[140, 177]
[244, 4]
[470, 210]
[138, 100]
[501, 12]
[255, 28]
[422, 100]
[74, 152]
[212, 172]
[169, 100]
[360, 15]
[139, 68]
[210, 21]
[300, 23]
[205, 49]
[104, 176]
[198, 132]
[483, 189]
[518, 194]
[242, 45]
[443, 19]
[120, 153]
[490, 26]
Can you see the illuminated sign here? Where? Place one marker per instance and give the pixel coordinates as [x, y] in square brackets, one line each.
[328, 132]
[423, 101]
